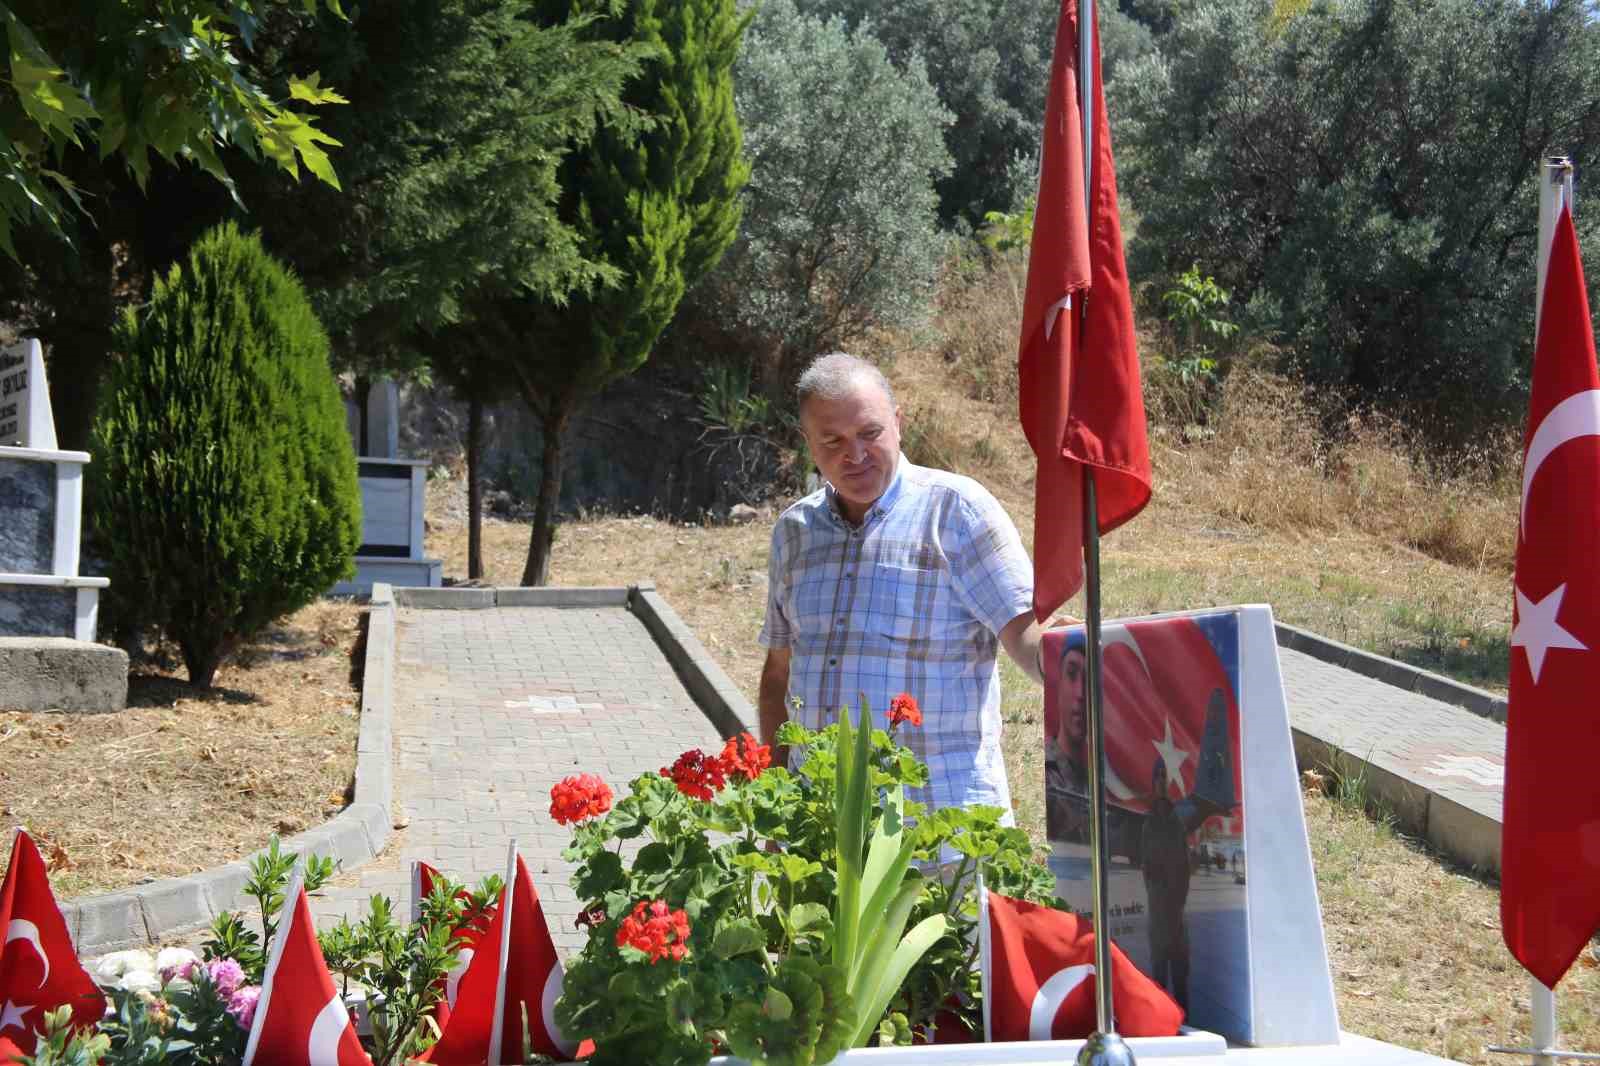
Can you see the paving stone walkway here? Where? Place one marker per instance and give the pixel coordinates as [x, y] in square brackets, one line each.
[1449, 751]
[494, 706]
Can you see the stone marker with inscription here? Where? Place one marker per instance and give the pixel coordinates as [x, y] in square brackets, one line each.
[48, 611]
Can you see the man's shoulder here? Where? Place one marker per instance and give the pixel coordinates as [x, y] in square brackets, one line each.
[943, 485]
[809, 512]
[806, 509]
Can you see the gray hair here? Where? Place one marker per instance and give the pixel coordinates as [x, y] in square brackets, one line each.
[836, 375]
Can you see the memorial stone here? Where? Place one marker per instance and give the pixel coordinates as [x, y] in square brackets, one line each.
[42, 594]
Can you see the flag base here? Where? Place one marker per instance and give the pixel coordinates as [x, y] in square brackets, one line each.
[1105, 1049]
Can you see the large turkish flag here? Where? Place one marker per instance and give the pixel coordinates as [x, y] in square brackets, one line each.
[1078, 366]
[1550, 847]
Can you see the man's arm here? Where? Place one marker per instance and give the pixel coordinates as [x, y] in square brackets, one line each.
[1021, 639]
[773, 700]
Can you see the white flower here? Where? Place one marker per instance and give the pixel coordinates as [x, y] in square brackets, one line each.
[171, 961]
[140, 981]
[117, 963]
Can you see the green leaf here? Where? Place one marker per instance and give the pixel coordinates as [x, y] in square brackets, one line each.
[309, 89]
[916, 944]
[778, 1006]
[738, 938]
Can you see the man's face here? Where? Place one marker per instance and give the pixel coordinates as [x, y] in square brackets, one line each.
[855, 441]
[1158, 783]
[1074, 711]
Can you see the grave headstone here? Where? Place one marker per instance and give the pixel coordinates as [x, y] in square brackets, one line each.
[26, 420]
[1209, 873]
[48, 612]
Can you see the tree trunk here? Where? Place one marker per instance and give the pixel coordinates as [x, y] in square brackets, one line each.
[474, 489]
[537, 572]
[363, 389]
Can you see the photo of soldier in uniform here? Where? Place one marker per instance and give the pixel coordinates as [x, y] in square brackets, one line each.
[1174, 819]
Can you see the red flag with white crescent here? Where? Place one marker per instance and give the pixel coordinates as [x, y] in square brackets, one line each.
[39, 969]
[464, 938]
[1167, 696]
[1550, 843]
[1079, 393]
[522, 978]
[1039, 980]
[300, 1019]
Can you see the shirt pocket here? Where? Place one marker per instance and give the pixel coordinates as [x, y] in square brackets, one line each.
[912, 597]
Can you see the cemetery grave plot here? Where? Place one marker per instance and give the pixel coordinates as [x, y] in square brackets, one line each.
[186, 779]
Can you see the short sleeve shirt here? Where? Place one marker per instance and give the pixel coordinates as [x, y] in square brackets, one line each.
[912, 600]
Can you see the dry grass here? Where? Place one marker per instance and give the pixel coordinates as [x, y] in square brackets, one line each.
[1416, 951]
[183, 779]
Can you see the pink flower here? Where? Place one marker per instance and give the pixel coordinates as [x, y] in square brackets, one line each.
[242, 1005]
[226, 976]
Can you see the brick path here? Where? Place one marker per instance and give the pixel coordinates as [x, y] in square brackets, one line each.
[492, 707]
[1447, 750]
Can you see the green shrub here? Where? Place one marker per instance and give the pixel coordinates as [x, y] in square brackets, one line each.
[224, 483]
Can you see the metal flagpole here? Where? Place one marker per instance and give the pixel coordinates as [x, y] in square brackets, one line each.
[1104, 1047]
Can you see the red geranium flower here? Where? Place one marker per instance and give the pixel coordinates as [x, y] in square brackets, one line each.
[580, 796]
[903, 708]
[697, 775]
[656, 930]
[743, 757]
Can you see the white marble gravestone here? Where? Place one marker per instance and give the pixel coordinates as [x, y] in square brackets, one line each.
[1198, 695]
[41, 510]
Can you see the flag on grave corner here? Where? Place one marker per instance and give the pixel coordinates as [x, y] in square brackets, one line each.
[1039, 980]
[39, 968]
[466, 936]
[1550, 837]
[1078, 365]
[514, 973]
[300, 1019]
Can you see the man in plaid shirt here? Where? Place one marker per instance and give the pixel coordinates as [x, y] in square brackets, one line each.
[894, 578]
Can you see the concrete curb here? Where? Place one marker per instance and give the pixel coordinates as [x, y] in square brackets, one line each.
[707, 682]
[1392, 672]
[477, 599]
[151, 913]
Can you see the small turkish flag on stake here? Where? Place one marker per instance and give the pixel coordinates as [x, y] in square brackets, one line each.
[39, 969]
[1039, 980]
[1550, 844]
[514, 974]
[466, 936]
[301, 1019]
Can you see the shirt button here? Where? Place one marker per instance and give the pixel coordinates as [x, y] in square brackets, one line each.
[833, 662]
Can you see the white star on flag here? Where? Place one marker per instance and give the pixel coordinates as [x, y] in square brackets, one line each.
[12, 1014]
[1538, 631]
[1174, 757]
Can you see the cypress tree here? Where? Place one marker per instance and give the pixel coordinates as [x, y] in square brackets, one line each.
[659, 206]
[224, 485]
